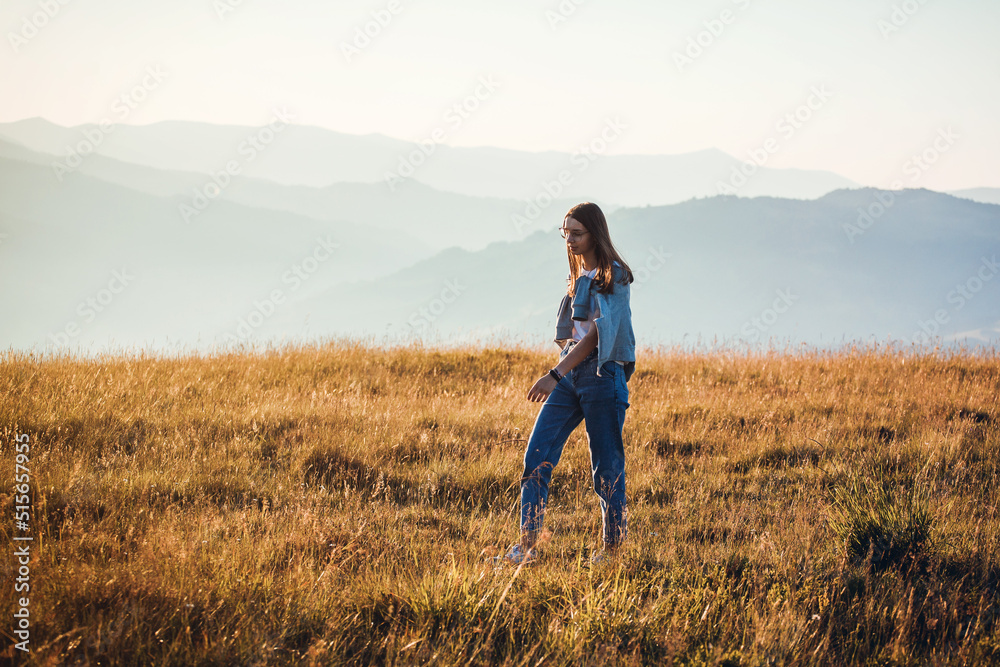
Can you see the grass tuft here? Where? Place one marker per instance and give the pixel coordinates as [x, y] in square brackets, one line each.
[879, 522]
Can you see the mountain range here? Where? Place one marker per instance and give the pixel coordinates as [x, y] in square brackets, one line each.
[169, 235]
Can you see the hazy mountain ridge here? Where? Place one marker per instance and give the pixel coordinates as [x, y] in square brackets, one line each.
[730, 259]
[854, 263]
[63, 240]
[316, 157]
[425, 219]
[981, 195]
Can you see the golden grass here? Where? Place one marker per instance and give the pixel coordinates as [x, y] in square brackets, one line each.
[336, 504]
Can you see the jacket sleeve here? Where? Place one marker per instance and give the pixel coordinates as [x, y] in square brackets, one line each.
[581, 299]
[564, 324]
[614, 321]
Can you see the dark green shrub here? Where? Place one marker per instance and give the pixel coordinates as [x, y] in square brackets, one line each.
[876, 519]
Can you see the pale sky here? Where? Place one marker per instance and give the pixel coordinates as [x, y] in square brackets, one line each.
[890, 90]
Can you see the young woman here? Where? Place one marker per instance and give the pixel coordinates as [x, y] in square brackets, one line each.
[589, 383]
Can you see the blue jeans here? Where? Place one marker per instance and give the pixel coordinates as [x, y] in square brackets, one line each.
[600, 401]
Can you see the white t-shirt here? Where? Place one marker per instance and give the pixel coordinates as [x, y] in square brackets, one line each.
[581, 328]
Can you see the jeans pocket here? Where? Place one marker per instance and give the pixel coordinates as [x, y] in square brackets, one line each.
[621, 386]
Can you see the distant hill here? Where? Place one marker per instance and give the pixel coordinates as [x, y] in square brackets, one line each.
[316, 157]
[62, 243]
[983, 195]
[740, 271]
[415, 214]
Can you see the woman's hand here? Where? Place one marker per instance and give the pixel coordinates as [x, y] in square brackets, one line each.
[542, 388]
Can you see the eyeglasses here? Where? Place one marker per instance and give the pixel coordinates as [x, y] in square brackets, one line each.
[574, 234]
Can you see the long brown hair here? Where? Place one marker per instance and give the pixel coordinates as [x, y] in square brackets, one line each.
[592, 218]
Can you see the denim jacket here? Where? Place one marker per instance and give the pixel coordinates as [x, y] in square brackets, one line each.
[615, 338]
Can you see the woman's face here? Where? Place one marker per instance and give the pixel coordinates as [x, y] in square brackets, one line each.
[578, 238]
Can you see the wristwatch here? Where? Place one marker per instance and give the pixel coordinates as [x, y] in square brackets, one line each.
[554, 373]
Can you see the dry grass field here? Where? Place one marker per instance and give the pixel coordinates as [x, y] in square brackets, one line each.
[337, 504]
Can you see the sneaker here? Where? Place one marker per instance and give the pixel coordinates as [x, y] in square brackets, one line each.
[605, 555]
[517, 555]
